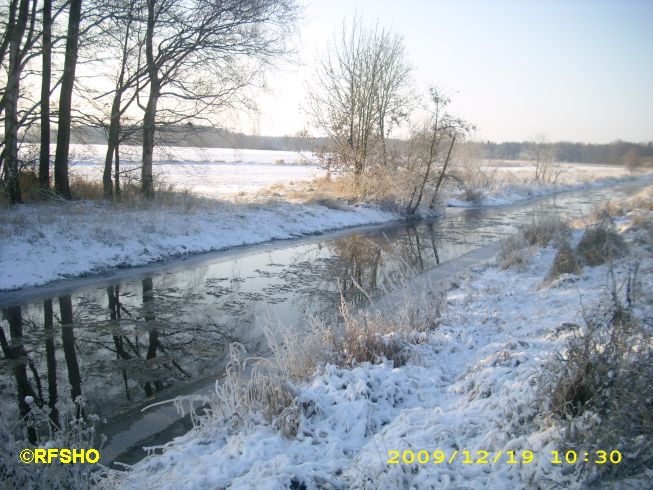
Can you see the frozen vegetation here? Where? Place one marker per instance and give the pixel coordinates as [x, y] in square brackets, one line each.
[488, 361]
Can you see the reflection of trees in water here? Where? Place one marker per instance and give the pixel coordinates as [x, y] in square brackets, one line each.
[14, 352]
[358, 266]
[51, 360]
[146, 346]
[68, 342]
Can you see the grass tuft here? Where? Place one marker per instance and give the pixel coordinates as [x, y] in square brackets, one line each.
[601, 386]
[543, 231]
[600, 244]
[512, 253]
[565, 262]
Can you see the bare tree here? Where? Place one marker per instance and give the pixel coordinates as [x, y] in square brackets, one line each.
[65, 101]
[16, 42]
[631, 159]
[361, 92]
[430, 148]
[44, 155]
[543, 157]
[200, 54]
[120, 32]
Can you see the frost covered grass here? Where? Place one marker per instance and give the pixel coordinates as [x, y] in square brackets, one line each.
[481, 376]
[510, 191]
[378, 187]
[266, 387]
[371, 335]
[540, 232]
[602, 384]
[44, 427]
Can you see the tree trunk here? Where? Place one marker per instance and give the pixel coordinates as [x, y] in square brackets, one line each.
[442, 174]
[114, 135]
[149, 118]
[44, 155]
[114, 125]
[61, 183]
[15, 31]
[149, 127]
[117, 174]
[412, 208]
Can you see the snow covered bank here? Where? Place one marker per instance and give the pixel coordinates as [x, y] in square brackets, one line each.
[470, 389]
[40, 243]
[506, 194]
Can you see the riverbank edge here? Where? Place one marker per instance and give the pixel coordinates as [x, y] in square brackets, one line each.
[48, 243]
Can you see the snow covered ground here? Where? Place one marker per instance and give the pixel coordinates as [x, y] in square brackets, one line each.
[503, 194]
[42, 243]
[471, 384]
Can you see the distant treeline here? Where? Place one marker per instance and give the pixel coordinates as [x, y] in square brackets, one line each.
[209, 137]
[565, 151]
[205, 137]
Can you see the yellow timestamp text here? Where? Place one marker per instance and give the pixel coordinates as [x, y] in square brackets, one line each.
[465, 456]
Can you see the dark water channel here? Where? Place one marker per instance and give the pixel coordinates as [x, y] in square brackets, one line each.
[125, 343]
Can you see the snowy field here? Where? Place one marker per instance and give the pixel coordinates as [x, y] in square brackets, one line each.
[471, 384]
[226, 172]
[207, 172]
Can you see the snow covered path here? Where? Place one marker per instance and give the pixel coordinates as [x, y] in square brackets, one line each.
[469, 385]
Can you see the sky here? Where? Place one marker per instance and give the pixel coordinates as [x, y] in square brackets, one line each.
[573, 70]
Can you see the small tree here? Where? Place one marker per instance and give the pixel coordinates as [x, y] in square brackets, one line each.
[430, 150]
[361, 92]
[543, 157]
[631, 160]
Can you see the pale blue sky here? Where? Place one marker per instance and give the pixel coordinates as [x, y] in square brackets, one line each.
[579, 70]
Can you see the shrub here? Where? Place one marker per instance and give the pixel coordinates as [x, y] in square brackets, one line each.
[565, 262]
[544, 230]
[600, 244]
[602, 387]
